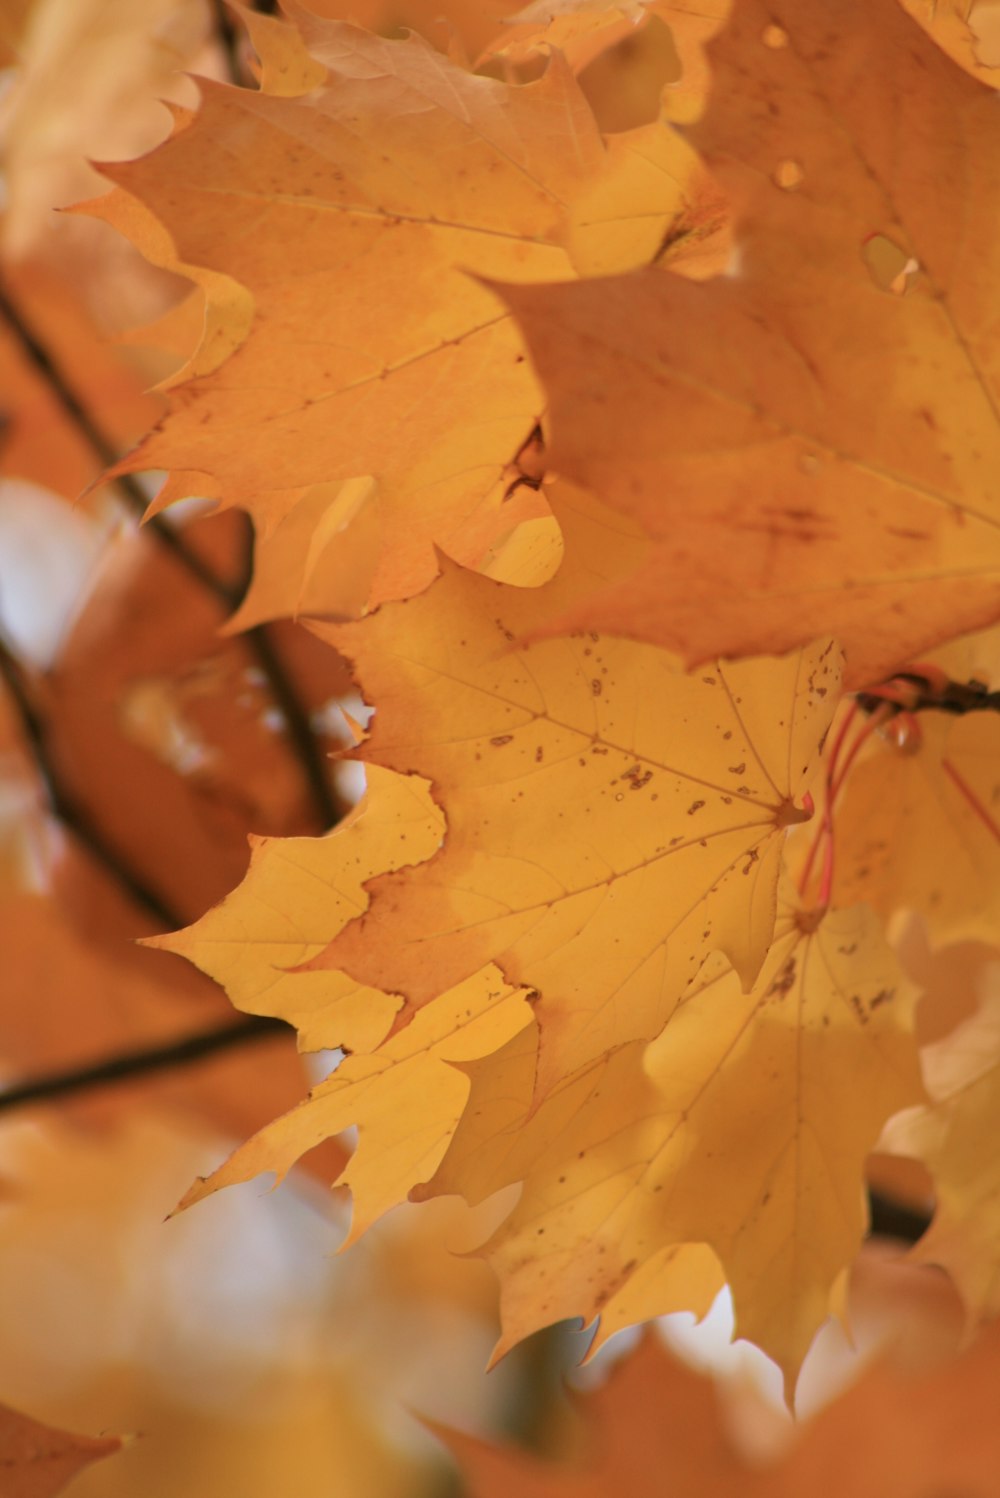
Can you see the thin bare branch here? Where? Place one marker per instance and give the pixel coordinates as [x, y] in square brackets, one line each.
[126, 1065]
[308, 751]
[126, 484]
[74, 817]
[258, 640]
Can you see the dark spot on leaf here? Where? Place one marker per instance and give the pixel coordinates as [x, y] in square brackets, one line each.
[783, 979]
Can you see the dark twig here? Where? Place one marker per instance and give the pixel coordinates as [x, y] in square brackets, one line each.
[113, 1070]
[297, 726]
[258, 641]
[229, 40]
[126, 483]
[892, 1219]
[64, 805]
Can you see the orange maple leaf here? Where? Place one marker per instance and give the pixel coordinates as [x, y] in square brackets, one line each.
[350, 216]
[656, 1427]
[811, 441]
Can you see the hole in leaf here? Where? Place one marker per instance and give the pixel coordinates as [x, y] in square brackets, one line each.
[890, 267]
[774, 37]
[788, 174]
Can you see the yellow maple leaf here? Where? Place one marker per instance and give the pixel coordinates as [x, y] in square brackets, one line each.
[744, 1126]
[318, 556]
[830, 404]
[296, 895]
[610, 821]
[405, 1101]
[559, 1266]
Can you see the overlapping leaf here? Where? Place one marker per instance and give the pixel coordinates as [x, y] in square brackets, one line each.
[458, 27]
[610, 821]
[917, 825]
[811, 441]
[745, 1126]
[603, 43]
[609, 824]
[909, 836]
[296, 895]
[352, 215]
[405, 1100]
[656, 1426]
[545, 940]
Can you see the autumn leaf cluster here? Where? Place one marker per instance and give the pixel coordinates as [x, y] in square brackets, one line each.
[615, 391]
[545, 402]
